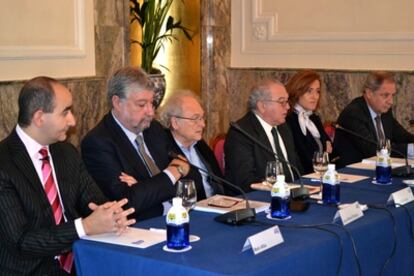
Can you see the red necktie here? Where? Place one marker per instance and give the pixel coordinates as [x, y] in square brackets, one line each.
[65, 260]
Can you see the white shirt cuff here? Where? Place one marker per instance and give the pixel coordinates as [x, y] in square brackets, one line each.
[79, 228]
[170, 175]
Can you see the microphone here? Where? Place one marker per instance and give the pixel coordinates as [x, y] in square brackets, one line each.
[296, 193]
[236, 217]
[402, 171]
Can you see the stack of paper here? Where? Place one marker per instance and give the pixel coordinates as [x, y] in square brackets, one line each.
[135, 237]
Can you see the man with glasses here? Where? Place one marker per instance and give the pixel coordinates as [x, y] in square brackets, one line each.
[127, 152]
[245, 160]
[184, 117]
[371, 117]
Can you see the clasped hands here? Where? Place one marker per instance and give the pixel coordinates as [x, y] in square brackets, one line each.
[108, 217]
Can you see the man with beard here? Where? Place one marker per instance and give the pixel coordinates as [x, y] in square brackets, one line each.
[127, 152]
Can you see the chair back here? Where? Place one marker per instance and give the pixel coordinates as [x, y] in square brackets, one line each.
[217, 144]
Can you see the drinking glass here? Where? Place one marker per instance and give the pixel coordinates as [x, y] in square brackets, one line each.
[187, 191]
[273, 168]
[320, 164]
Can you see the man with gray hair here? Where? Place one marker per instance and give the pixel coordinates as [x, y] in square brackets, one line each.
[370, 115]
[184, 117]
[245, 160]
[127, 152]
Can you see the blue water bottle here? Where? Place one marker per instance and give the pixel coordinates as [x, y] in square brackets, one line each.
[330, 186]
[279, 207]
[178, 226]
[383, 168]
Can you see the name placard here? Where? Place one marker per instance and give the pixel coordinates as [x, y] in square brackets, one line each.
[402, 197]
[263, 240]
[350, 213]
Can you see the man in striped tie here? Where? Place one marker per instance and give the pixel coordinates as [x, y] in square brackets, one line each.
[47, 198]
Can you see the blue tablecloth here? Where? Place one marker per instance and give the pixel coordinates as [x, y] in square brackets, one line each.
[305, 251]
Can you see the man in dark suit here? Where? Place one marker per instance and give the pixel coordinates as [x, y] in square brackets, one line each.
[183, 115]
[371, 117]
[47, 199]
[127, 152]
[245, 161]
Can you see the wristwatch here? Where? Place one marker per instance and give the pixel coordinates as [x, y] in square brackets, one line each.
[181, 170]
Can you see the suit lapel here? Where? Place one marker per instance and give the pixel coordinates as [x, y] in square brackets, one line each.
[62, 179]
[368, 117]
[126, 148]
[23, 162]
[286, 141]
[260, 134]
[218, 189]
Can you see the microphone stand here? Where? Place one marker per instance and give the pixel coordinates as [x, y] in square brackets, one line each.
[296, 193]
[402, 171]
[235, 217]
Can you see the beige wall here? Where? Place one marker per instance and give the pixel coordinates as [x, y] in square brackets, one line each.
[48, 37]
[110, 29]
[334, 34]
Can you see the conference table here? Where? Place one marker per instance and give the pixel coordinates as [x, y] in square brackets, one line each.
[381, 242]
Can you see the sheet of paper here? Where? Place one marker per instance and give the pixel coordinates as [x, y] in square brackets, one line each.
[134, 237]
[363, 166]
[347, 178]
[263, 186]
[212, 204]
[395, 162]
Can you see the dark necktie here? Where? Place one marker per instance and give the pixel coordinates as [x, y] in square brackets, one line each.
[149, 163]
[286, 169]
[380, 133]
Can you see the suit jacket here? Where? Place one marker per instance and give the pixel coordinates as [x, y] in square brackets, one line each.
[245, 160]
[30, 239]
[107, 152]
[306, 145]
[357, 118]
[209, 160]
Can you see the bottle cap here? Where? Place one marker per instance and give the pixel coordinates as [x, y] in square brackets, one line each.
[280, 178]
[384, 151]
[177, 201]
[331, 167]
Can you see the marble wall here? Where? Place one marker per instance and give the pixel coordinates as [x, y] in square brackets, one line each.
[111, 50]
[225, 89]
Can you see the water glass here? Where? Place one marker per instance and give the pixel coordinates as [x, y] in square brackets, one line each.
[320, 163]
[273, 168]
[187, 191]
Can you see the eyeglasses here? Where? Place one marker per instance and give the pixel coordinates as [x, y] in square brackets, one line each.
[193, 119]
[282, 102]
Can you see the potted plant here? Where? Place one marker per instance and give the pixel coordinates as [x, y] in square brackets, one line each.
[157, 28]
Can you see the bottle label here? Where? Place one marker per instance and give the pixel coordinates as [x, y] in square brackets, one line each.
[177, 217]
[330, 178]
[383, 161]
[280, 190]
